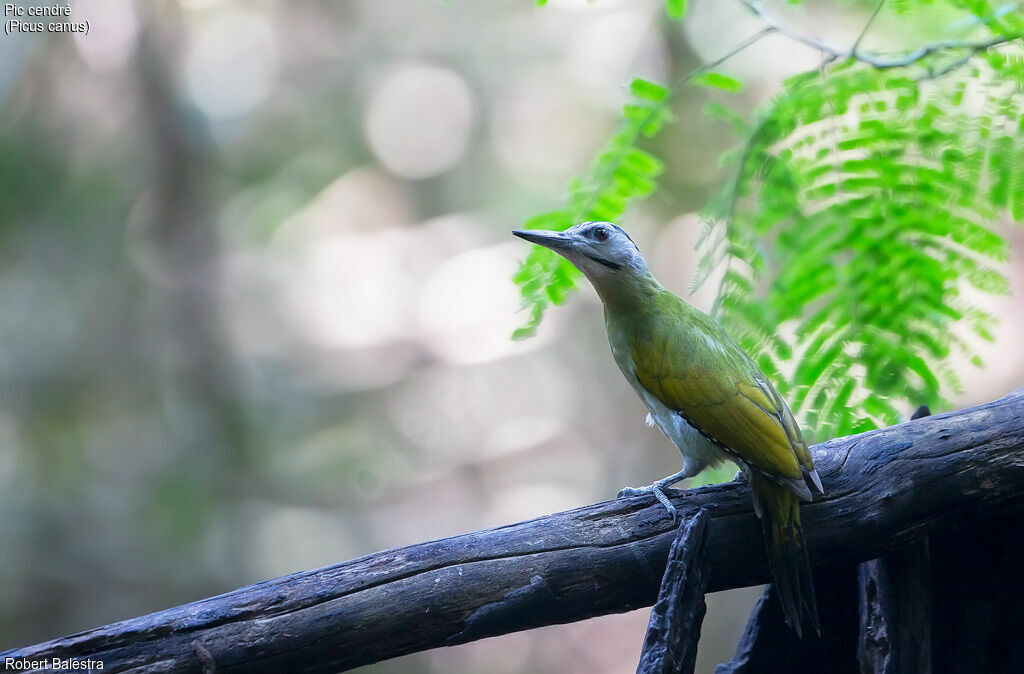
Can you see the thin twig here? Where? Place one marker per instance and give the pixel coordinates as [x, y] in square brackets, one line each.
[874, 60]
[764, 32]
[864, 31]
[602, 181]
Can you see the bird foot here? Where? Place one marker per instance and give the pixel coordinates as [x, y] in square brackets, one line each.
[658, 489]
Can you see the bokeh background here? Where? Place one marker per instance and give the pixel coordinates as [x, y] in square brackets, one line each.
[255, 296]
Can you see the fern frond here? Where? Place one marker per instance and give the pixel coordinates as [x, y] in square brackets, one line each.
[878, 191]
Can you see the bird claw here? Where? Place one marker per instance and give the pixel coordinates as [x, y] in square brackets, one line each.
[659, 493]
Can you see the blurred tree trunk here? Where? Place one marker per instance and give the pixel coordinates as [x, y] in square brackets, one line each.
[184, 236]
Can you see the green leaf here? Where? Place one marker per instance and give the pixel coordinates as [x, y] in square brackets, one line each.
[716, 110]
[675, 8]
[647, 90]
[718, 81]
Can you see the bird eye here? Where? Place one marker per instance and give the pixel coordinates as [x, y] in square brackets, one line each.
[601, 234]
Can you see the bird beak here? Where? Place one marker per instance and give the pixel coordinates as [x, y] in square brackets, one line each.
[547, 238]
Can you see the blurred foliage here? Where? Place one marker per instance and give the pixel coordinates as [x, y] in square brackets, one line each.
[876, 221]
[862, 200]
[622, 172]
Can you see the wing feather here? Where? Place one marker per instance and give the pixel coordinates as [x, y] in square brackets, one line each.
[722, 393]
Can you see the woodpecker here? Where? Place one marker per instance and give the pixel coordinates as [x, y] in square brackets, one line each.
[706, 394]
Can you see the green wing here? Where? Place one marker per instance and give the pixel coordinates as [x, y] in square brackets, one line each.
[687, 360]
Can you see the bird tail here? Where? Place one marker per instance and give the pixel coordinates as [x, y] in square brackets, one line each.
[779, 510]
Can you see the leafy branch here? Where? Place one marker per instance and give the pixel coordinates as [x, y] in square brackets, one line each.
[876, 181]
[622, 172]
[877, 187]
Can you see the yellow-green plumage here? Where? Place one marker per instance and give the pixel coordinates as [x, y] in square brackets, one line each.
[687, 361]
[787, 552]
[706, 394]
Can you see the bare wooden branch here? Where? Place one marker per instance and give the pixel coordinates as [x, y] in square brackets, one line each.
[670, 646]
[894, 596]
[967, 47]
[885, 488]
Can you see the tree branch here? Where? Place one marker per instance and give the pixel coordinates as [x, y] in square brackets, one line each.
[867, 26]
[894, 599]
[884, 487]
[670, 646]
[881, 63]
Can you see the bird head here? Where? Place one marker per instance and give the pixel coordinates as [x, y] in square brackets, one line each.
[601, 250]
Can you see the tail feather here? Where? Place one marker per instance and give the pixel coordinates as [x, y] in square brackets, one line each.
[787, 553]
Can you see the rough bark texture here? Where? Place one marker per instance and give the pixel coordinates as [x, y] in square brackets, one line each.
[894, 603]
[894, 596]
[670, 646]
[885, 488]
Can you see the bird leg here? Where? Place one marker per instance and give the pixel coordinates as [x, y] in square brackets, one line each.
[658, 488]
